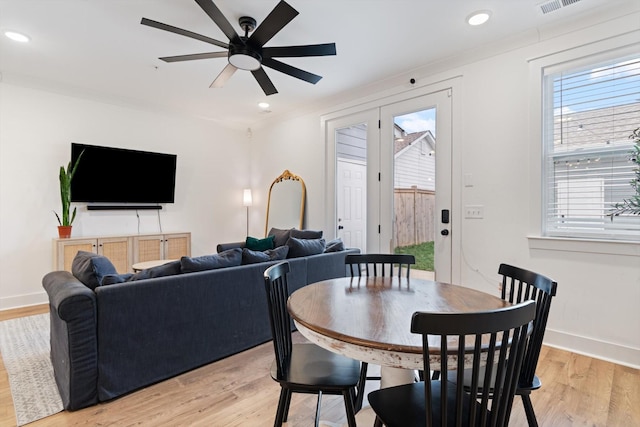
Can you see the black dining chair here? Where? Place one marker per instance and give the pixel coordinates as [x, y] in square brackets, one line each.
[445, 403]
[520, 285]
[304, 367]
[381, 265]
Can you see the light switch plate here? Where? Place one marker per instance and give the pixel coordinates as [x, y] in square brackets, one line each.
[474, 211]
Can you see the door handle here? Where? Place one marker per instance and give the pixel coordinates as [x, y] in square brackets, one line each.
[340, 227]
[444, 232]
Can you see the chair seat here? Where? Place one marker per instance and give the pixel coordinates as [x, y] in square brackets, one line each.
[523, 387]
[404, 405]
[312, 367]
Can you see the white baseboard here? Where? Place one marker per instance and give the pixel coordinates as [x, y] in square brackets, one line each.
[23, 300]
[611, 352]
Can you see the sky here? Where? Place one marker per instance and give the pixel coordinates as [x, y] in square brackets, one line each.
[419, 121]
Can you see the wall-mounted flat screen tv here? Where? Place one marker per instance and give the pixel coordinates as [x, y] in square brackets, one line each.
[116, 175]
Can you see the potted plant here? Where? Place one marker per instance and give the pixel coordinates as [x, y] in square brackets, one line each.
[631, 205]
[64, 229]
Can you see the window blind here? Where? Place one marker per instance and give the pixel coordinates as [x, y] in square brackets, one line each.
[590, 114]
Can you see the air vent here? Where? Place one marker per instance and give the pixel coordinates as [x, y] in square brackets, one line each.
[553, 5]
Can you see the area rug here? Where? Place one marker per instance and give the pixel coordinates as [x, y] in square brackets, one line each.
[24, 346]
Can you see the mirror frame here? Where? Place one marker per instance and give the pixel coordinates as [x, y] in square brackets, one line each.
[286, 175]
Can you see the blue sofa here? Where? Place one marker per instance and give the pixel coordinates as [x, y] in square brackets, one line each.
[118, 338]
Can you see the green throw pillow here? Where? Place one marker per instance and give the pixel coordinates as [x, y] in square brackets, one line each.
[259, 244]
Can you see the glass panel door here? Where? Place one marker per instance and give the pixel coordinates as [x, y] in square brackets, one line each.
[354, 153]
[416, 181]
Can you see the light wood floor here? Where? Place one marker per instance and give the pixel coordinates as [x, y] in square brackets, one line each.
[238, 391]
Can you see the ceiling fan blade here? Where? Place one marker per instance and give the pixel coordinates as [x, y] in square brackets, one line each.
[280, 16]
[186, 33]
[224, 75]
[264, 81]
[298, 51]
[193, 56]
[290, 70]
[220, 20]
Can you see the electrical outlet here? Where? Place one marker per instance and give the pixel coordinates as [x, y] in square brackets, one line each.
[474, 211]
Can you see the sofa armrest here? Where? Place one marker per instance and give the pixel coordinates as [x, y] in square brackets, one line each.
[74, 347]
[226, 246]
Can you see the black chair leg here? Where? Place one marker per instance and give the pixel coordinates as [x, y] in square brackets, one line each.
[361, 384]
[283, 405]
[286, 407]
[528, 409]
[349, 405]
[317, 422]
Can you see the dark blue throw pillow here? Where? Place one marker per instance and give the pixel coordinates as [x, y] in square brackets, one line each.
[230, 258]
[90, 268]
[254, 257]
[304, 247]
[335, 245]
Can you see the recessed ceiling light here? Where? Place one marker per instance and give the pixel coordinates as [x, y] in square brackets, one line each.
[479, 17]
[263, 105]
[18, 37]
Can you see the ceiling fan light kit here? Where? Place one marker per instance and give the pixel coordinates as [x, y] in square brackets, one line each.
[248, 52]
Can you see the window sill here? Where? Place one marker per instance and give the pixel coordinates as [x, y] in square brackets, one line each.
[591, 246]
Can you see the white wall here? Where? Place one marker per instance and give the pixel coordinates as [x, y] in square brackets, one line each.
[36, 131]
[596, 309]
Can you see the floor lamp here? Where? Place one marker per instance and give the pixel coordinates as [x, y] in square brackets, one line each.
[247, 201]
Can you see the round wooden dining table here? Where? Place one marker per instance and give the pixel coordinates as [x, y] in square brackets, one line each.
[369, 319]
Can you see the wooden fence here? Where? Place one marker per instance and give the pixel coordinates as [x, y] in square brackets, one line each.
[414, 216]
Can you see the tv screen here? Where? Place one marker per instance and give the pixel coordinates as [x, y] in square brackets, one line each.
[116, 175]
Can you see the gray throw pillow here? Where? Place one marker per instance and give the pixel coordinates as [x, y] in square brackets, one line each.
[304, 247]
[229, 258]
[169, 269]
[280, 236]
[306, 234]
[253, 257]
[335, 245]
[90, 268]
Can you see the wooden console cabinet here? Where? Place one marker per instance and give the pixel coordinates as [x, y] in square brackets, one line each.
[123, 251]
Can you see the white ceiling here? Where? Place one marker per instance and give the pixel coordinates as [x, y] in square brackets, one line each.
[99, 49]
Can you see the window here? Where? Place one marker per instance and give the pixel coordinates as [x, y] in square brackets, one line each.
[589, 114]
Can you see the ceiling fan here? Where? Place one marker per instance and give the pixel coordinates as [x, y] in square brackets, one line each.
[248, 52]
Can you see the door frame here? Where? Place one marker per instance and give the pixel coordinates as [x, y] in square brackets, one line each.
[373, 103]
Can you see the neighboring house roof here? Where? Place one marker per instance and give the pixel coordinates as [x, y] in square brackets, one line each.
[403, 143]
[592, 129]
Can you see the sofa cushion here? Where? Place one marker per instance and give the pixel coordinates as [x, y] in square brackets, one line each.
[306, 234]
[168, 269]
[280, 236]
[256, 244]
[253, 257]
[90, 268]
[304, 247]
[335, 245]
[229, 258]
[112, 279]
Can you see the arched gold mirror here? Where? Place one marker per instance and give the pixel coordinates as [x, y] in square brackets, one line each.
[285, 205]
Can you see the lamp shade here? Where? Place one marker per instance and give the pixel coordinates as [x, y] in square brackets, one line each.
[246, 197]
